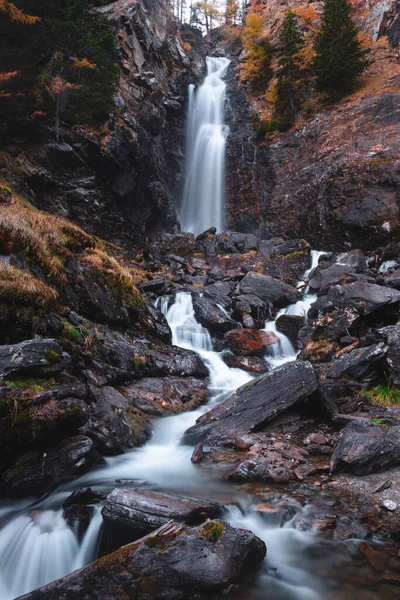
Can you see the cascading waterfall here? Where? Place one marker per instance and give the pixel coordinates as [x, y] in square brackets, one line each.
[202, 201]
[37, 545]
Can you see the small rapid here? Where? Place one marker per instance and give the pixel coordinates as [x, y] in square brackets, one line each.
[37, 545]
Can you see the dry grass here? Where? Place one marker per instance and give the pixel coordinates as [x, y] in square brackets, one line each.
[18, 285]
[383, 395]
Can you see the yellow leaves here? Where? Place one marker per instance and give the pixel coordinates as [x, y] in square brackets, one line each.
[308, 15]
[16, 14]
[253, 29]
[83, 63]
[58, 85]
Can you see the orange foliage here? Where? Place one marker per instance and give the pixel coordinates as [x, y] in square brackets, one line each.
[16, 14]
[308, 14]
[83, 63]
[186, 47]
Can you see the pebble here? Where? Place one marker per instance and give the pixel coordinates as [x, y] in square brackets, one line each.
[389, 505]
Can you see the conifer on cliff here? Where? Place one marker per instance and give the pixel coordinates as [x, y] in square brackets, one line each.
[340, 56]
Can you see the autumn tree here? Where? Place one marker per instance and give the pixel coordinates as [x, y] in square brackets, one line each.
[340, 56]
[231, 12]
[207, 14]
[257, 66]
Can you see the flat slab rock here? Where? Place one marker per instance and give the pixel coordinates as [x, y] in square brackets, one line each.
[174, 563]
[366, 448]
[269, 289]
[255, 404]
[145, 510]
[36, 357]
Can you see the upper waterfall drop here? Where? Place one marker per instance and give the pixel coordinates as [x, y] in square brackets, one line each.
[203, 194]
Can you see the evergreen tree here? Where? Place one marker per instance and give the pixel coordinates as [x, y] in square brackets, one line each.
[289, 74]
[340, 57]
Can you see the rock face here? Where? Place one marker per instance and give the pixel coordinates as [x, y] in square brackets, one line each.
[255, 404]
[124, 185]
[366, 448]
[142, 511]
[33, 357]
[174, 563]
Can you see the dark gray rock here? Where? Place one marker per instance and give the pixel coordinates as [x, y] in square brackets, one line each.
[252, 305]
[366, 447]
[391, 335]
[364, 297]
[269, 289]
[255, 404]
[290, 325]
[211, 316]
[360, 363]
[219, 292]
[32, 357]
[253, 364]
[143, 511]
[174, 563]
[35, 473]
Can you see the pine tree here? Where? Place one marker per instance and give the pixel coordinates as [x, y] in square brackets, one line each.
[340, 57]
[289, 81]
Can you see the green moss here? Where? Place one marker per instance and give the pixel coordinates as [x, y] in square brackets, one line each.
[383, 395]
[51, 356]
[213, 531]
[72, 333]
[151, 541]
[28, 383]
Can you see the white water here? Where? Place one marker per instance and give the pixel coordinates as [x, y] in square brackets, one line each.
[203, 195]
[37, 545]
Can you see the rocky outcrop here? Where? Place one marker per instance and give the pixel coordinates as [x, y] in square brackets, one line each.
[255, 404]
[174, 563]
[121, 183]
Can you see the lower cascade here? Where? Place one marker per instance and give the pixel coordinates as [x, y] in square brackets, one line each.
[203, 195]
[37, 545]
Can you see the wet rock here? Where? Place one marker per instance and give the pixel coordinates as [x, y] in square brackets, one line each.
[35, 474]
[115, 426]
[198, 454]
[84, 496]
[269, 289]
[366, 447]
[391, 335]
[32, 358]
[211, 316]
[250, 342]
[162, 329]
[360, 363]
[143, 510]
[219, 292]
[166, 395]
[261, 468]
[378, 560]
[366, 298]
[255, 404]
[174, 563]
[253, 364]
[290, 326]
[252, 305]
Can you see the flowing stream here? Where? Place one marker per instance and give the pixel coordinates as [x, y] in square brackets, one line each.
[37, 545]
[203, 195]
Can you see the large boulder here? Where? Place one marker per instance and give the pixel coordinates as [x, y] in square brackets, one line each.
[290, 325]
[250, 342]
[174, 563]
[32, 357]
[269, 289]
[253, 364]
[255, 404]
[115, 427]
[366, 447]
[364, 297]
[35, 473]
[142, 511]
[209, 314]
[360, 363]
[391, 335]
[166, 395]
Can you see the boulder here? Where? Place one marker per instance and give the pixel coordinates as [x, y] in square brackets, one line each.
[142, 511]
[255, 404]
[174, 563]
[250, 342]
[391, 335]
[290, 325]
[32, 358]
[359, 363]
[366, 447]
[119, 426]
[366, 298]
[166, 395]
[35, 473]
[211, 316]
[250, 304]
[253, 364]
[219, 292]
[83, 496]
[269, 289]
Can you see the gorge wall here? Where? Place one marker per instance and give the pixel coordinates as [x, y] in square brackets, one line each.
[121, 182]
[334, 178]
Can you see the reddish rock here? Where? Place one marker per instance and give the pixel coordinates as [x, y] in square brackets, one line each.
[249, 342]
[198, 454]
[378, 560]
[253, 364]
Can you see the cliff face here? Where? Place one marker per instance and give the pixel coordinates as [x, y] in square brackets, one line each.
[334, 178]
[121, 182]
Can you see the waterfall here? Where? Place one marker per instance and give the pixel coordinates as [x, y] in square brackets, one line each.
[202, 202]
